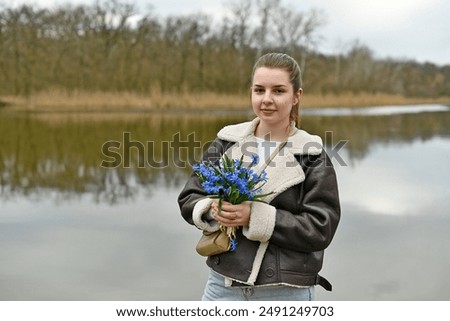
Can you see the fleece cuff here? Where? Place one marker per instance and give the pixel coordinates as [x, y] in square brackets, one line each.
[201, 207]
[262, 222]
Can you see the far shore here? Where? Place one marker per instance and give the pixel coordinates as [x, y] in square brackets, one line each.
[59, 101]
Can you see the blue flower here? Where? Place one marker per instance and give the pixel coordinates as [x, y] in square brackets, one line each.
[255, 159]
[233, 244]
[210, 187]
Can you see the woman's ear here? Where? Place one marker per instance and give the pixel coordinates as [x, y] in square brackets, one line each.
[297, 95]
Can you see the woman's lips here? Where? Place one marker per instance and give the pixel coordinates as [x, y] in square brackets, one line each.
[268, 111]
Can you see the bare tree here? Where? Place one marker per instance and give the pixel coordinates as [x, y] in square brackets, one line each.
[296, 31]
[266, 9]
[241, 13]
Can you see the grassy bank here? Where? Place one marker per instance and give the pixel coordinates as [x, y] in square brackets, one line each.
[59, 101]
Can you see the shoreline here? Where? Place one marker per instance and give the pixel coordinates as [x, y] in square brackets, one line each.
[83, 102]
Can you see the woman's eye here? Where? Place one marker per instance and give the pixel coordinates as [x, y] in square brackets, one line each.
[262, 90]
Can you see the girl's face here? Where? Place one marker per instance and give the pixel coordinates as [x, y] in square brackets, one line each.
[273, 96]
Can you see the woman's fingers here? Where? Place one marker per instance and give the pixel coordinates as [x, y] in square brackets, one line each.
[232, 214]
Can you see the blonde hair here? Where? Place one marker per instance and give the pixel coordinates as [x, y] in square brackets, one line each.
[286, 62]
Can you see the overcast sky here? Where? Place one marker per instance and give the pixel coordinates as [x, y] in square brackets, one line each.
[400, 29]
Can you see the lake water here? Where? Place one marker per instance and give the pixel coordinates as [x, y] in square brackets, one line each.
[71, 229]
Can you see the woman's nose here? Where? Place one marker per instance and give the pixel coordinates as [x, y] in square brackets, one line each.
[267, 99]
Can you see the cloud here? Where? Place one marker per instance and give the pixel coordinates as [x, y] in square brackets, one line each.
[394, 181]
[398, 29]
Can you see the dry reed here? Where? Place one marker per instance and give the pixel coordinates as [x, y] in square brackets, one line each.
[78, 101]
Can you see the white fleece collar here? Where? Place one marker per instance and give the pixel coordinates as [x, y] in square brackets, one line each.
[284, 171]
[299, 142]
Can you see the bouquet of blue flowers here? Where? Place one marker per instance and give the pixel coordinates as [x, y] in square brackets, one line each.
[232, 181]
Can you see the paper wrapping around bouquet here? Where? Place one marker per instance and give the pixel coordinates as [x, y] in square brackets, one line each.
[212, 243]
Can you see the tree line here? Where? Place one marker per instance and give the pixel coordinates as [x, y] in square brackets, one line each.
[111, 46]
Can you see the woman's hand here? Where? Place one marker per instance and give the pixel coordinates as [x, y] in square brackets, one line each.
[232, 215]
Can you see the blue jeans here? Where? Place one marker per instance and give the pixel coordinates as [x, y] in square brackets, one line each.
[215, 290]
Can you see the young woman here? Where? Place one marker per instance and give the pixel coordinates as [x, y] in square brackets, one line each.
[281, 242]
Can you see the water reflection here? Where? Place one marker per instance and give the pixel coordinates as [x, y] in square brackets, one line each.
[399, 178]
[376, 111]
[41, 153]
[77, 231]
[80, 250]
